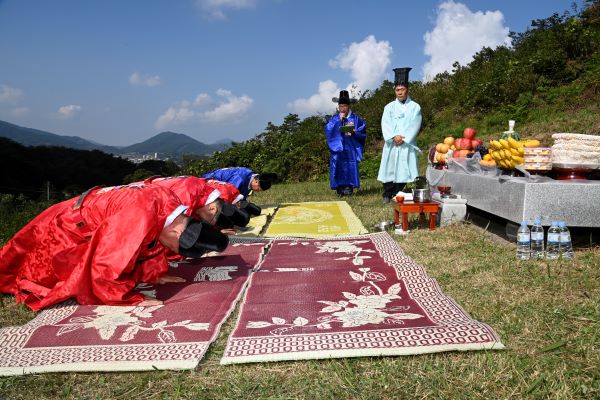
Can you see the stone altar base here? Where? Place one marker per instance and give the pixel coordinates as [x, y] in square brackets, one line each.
[516, 199]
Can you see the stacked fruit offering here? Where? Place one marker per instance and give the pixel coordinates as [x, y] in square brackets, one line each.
[441, 150]
[463, 147]
[509, 153]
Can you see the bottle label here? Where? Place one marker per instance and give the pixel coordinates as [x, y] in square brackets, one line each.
[523, 238]
[537, 236]
[554, 237]
[565, 237]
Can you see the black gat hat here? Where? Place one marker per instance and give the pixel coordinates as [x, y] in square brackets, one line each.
[344, 98]
[401, 76]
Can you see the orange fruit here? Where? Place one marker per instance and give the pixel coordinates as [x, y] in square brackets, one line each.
[449, 141]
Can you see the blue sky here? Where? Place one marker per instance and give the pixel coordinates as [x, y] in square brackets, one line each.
[118, 72]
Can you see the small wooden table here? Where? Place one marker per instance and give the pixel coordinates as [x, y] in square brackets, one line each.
[422, 207]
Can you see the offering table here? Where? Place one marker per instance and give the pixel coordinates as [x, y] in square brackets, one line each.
[517, 198]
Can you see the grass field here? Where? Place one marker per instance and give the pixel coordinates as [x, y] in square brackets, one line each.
[546, 313]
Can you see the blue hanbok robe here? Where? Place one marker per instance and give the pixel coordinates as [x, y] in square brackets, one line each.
[240, 177]
[399, 163]
[346, 150]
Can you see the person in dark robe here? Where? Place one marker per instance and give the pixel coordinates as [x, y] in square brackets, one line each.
[345, 133]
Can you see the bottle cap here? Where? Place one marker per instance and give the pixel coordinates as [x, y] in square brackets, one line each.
[537, 221]
[523, 223]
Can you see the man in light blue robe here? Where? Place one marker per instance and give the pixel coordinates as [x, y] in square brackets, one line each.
[400, 124]
[345, 133]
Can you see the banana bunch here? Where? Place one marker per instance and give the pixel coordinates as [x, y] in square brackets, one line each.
[508, 153]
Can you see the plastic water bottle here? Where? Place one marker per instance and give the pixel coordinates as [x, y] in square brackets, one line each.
[537, 240]
[566, 247]
[523, 242]
[553, 242]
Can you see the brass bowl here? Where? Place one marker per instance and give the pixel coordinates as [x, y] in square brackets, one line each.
[444, 189]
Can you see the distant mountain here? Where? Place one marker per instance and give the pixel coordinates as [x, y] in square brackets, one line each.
[172, 144]
[35, 137]
[166, 144]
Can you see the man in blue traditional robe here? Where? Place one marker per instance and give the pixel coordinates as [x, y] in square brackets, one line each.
[345, 134]
[400, 123]
[243, 178]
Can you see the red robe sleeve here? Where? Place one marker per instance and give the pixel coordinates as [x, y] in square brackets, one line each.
[118, 256]
[116, 264]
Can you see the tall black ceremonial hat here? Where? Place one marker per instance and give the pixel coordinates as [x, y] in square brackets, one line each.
[199, 237]
[344, 98]
[401, 76]
[231, 216]
[250, 208]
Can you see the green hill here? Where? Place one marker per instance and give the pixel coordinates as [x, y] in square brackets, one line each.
[548, 81]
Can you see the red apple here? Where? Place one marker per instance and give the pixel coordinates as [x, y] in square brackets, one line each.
[476, 142]
[463, 144]
[469, 133]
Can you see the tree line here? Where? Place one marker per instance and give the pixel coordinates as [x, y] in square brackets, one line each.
[53, 172]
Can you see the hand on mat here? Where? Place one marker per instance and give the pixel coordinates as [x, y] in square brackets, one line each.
[149, 301]
[169, 279]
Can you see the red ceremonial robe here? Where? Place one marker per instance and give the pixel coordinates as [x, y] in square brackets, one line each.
[197, 192]
[95, 254]
[229, 193]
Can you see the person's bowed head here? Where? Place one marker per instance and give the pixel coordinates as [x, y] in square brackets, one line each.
[262, 182]
[223, 215]
[189, 238]
[249, 207]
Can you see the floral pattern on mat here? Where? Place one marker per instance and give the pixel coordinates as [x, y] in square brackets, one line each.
[174, 335]
[106, 320]
[369, 307]
[347, 297]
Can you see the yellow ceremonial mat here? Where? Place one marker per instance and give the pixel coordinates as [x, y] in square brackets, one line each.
[257, 224]
[315, 220]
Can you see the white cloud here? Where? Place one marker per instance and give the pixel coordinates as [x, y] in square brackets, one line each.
[68, 111]
[231, 108]
[9, 94]
[320, 102]
[202, 99]
[215, 8]
[367, 61]
[459, 34]
[137, 79]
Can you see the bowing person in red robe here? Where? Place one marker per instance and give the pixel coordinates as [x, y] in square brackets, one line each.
[199, 194]
[97, 247]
